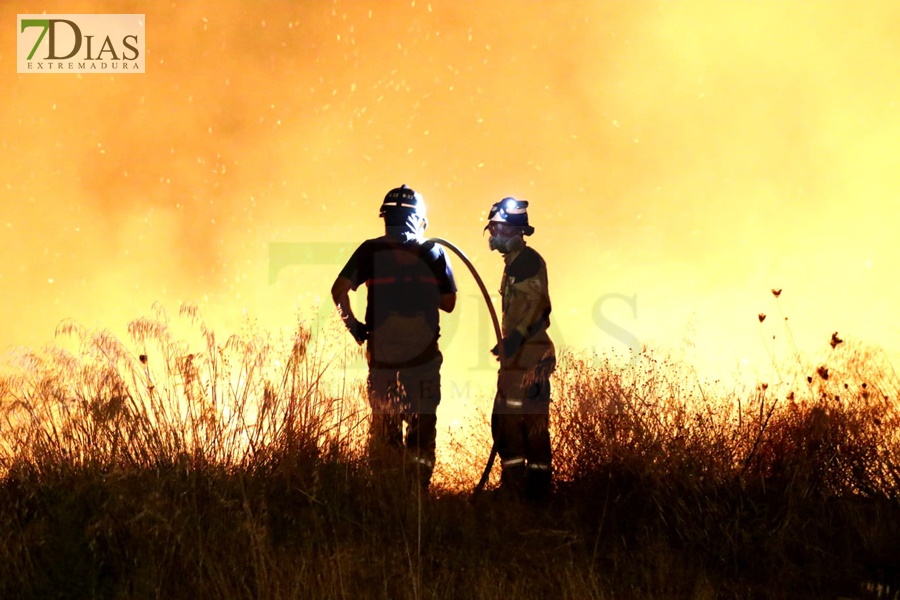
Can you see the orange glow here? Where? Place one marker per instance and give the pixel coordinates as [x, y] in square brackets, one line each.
[681, 158]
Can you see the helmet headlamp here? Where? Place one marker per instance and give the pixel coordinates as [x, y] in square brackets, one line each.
[512, 212]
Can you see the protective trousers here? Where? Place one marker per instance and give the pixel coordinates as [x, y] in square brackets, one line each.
[521, 429]
[409, 395]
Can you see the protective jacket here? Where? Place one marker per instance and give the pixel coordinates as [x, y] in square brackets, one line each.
[525, 301]
[405, 279]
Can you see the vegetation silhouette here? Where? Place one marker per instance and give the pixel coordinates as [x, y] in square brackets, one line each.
[172, 466]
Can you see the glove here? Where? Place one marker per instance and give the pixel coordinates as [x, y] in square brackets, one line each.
[511, 344]
[359, 331]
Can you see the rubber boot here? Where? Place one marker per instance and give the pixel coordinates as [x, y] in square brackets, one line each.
[419, 471]
[512, 482]
[537, 487]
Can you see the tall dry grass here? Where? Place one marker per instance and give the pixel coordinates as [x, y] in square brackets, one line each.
[795, 482]
[168, 399]
[178, 464]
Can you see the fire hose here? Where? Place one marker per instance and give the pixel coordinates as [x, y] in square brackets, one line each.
[486, 473]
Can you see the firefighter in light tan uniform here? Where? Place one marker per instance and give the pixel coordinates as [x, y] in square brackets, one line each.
[521, 421]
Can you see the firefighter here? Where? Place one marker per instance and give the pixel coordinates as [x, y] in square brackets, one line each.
[408, 281]
[521, 421]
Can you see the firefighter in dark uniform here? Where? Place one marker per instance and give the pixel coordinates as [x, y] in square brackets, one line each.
[408, 282]
[521, 421]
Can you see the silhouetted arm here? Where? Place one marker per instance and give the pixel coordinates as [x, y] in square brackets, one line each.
[340, 293]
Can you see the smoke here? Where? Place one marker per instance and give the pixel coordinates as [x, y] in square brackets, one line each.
[687, 155]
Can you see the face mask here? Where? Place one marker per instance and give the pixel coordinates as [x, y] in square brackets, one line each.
[505, 245]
